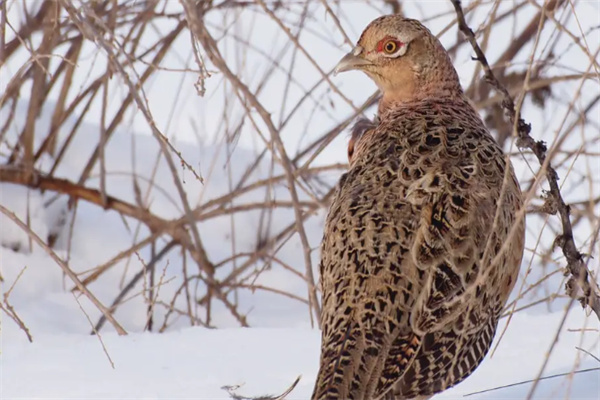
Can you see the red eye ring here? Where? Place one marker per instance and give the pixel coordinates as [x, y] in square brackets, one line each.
[388, 45]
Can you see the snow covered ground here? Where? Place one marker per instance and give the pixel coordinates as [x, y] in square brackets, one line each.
[195, 363]
[65, 362]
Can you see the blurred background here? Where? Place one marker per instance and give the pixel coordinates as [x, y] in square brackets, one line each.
[158, 177]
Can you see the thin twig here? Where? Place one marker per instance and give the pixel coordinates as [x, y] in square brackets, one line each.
[11, 312]
[112, 364]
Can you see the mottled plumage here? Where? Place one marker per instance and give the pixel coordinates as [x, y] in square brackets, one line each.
[422, 246]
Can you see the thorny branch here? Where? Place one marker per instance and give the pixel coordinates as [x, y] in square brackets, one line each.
[580, 277]
[10, 310]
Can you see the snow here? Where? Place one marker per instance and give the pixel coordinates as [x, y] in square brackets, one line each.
[195, 363]
[65, 362]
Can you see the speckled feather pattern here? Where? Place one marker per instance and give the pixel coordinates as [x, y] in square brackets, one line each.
[418, 257]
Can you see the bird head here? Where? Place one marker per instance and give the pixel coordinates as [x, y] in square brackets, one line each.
[404, 60]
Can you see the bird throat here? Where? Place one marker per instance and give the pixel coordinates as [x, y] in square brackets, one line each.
[413, 93]
[403, 90]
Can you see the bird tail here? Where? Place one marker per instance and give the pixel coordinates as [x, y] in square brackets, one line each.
[358, 363]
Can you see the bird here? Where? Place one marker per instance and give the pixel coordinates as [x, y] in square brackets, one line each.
[424, 236]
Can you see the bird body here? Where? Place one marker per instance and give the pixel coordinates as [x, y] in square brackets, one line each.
[422, 245]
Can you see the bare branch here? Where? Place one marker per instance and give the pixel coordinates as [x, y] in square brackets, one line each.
[580, 277]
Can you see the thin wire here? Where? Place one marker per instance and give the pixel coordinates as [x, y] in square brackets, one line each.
[533, 380]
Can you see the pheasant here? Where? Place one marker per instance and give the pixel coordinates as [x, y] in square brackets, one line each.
[422, 243]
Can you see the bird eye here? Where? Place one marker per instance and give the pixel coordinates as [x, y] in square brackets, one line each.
[390, 47]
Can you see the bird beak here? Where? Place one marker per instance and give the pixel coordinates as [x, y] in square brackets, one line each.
[351, 61]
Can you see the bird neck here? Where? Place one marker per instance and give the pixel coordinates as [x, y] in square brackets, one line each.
[428, 98]
[392, 100]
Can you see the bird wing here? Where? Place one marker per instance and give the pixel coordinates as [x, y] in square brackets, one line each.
[442, 250]
[368, 286]
[467, 209]
[399, 261]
